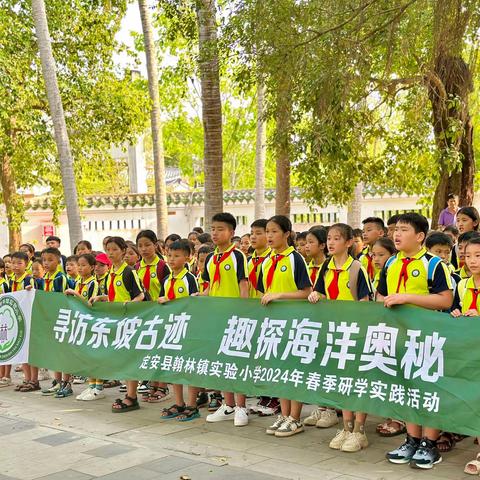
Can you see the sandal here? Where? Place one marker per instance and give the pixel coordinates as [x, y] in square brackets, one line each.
[473, 466]
[147, 395]
[172, 412]
[30, 387]
[19, 387]
[190, 413]
[159, 395]
[391, 428]
[111, 383]
[448, 442]
[123, 407]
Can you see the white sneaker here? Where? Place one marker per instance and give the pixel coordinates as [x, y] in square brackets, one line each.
[223, 413]
[328, 418]
[314, 417]
[241, 417]
[93, 394]
[339, 439]
[99, 394]
[276, 425]
[85, 393]
[289, 427]
[355, 442]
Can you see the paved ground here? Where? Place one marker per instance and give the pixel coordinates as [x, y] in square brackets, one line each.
[43, 437]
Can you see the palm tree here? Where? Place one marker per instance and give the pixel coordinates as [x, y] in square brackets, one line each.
[156, 125]
[260, 153]
[211, 107]
[58, 118]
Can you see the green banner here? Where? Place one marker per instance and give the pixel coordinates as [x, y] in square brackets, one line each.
[406, 362]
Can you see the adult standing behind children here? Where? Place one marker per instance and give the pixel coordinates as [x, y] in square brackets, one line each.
[447, 215]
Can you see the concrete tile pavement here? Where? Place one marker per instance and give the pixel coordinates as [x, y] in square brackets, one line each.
[43, 437]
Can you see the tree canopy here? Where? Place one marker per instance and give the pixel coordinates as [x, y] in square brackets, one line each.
[103, 106]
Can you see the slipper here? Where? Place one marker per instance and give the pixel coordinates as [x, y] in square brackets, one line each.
[475, 464]
[387, 429]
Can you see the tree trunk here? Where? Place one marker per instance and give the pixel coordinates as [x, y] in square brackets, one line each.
[156, 125]
[211, 108]
[449, 86]
[260, 153]
[455, 77]
[58, 118]
[354, 208]
[10, 199]
[282, 141]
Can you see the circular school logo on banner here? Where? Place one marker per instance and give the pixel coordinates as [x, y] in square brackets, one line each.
[12, 328]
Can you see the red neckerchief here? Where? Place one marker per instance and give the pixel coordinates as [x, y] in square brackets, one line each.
[271, 271]
[370, 267]
[333, 290]
[111, 287]
[171, 290]
[313, 275]
[404, 273]
[252, 277]
[218, 259]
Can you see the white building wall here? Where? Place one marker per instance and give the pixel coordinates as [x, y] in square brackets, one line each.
[128, 221]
